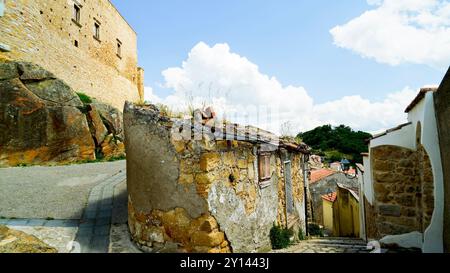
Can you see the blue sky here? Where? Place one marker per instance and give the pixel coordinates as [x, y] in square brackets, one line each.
[289, 40]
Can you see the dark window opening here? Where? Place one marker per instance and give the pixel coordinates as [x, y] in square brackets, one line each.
[97, 30]
[75, 43]
[76, 13]
[119, 49]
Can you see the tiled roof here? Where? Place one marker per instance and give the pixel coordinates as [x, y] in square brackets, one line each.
[318, 175]
[330, 197]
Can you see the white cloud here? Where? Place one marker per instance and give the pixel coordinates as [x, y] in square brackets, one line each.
[234, 85]
[400, 31]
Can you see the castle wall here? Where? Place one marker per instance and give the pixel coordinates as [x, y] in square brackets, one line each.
[44, 32]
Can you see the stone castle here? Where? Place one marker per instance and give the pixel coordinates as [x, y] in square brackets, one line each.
[87, 44]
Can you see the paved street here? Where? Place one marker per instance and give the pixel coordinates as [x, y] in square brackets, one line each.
[86, 203]
[327, 245]
[51, 192]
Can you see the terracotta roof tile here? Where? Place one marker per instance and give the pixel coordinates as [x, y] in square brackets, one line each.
[330, 197]
[318, 175]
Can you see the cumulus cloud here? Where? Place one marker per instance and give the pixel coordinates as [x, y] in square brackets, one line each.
[400, 31]
[239, 91]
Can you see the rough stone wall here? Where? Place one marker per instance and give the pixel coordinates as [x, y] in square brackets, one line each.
[42, 32]
[197, 195]
[371, 220]
[441, 99]
[283, 218]
[403, 185]
[427, 187]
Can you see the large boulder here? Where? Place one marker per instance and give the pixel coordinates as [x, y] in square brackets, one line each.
[40, 120]
[13, 241]
[112, 118]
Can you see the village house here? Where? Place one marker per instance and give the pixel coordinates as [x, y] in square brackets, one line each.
[345, 212]
[324, 182]
[403, 183]
[87, 44]
[207, 186]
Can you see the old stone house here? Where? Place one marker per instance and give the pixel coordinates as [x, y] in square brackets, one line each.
[87, 44]
[207, 186]
[402, 181]
[323, 182]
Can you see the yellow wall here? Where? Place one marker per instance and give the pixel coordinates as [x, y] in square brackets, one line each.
[346, 215]
[327, 215]
[42, 32]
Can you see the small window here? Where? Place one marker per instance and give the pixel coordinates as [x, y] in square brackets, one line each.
[76, 13]
[119, 49]
[75, 43]
[97, 30]
[264, 167]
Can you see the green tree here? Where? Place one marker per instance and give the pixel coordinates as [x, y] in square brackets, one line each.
[337, 142]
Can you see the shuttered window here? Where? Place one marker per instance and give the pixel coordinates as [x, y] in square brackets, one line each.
[264, 167]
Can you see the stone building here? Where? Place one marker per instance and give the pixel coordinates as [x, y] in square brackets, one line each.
[402, 181]
[346, 216]
[324, 182]
[87, 44]
[442, 106]
[207, 186]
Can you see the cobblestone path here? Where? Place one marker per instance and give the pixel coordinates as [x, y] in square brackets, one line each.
[328, 245]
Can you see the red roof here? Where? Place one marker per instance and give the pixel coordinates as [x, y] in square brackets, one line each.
[330, 197]
[318, 175]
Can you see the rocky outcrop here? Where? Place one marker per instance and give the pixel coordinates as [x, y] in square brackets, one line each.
[43, 121]
[13, 241]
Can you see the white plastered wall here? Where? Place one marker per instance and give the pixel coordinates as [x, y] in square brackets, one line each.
[423, 113]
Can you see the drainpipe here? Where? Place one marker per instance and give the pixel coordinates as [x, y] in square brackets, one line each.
[363, 202]
[306, 182]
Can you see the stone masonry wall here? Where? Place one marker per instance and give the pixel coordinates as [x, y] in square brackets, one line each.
[42, 32]
[197, 195]
[403, 185]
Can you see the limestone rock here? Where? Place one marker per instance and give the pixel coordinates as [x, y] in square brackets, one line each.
[112, 148]
[30, 71]
[54, 92]
[98, 129]
[8, 70]
[112, 118]
[39, 123]
[12, 241]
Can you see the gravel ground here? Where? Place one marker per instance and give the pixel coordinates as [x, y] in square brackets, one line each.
[51, 192]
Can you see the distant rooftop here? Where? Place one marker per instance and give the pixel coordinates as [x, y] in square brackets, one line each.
[318, 175]
[330, 197]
